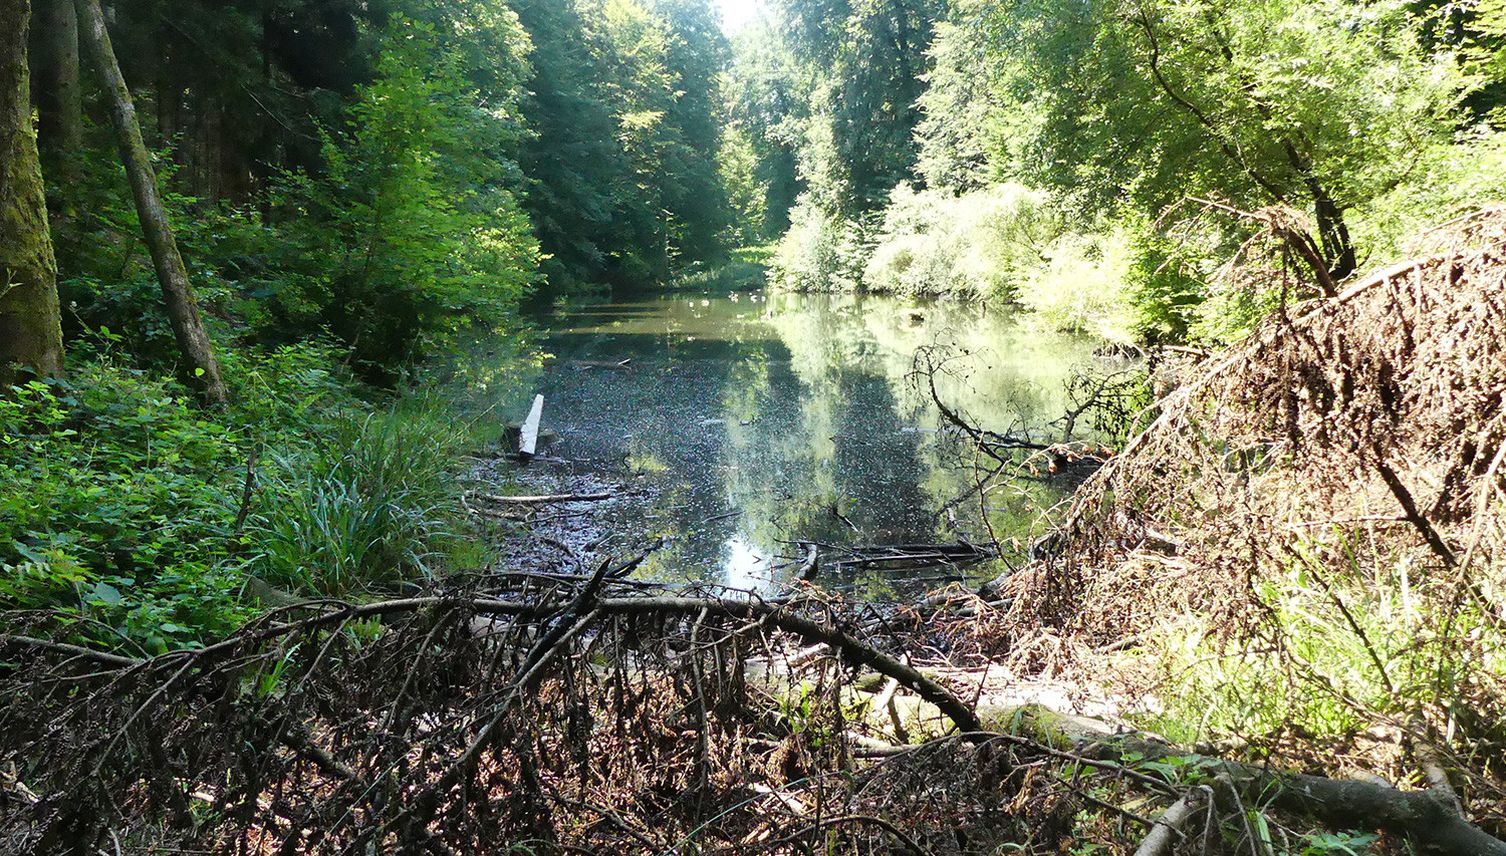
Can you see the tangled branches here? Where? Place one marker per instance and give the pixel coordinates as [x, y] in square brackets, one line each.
[1335, 493]
[574, 718]
[569, 720]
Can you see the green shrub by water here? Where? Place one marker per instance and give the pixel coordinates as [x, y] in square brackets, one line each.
[982, 244]
[1003, 243]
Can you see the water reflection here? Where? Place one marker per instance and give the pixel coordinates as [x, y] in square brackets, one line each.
[760, 420]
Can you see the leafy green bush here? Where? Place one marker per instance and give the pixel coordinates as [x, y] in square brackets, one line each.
[1002, 242]
[1448, 180]
[412, 231]
[732, 276]
[117, 507]
[1081, 285]
[408, 229]
[979, 244]
[820, 252]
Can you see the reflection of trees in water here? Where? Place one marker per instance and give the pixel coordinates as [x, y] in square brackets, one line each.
[1012, 377]
[815, 446]
[651, 419]
[777, 450]
[787, 410]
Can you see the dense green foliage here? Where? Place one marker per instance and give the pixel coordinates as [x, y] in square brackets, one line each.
[134, 514]
[411, 228]
[1123, 119]
[625, 113]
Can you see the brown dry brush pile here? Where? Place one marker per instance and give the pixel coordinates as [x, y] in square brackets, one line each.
[1349, 450]
[475, 723]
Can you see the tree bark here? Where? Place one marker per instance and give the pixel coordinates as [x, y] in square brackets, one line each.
[31, 334]
[60, 106]
[1333, 233]
[200, 370]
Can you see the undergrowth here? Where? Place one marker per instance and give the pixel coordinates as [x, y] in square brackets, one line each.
[745, 271]
[136, 517]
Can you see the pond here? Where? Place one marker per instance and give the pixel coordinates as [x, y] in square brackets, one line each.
[748, 421]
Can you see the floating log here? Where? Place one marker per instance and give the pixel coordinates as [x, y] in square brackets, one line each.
[528, 435]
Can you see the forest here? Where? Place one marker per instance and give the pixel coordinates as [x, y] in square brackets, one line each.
[753, 426]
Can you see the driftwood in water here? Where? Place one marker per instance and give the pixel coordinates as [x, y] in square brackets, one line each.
[908, 556]
[616, 365]
[528, 435]
[544, 499]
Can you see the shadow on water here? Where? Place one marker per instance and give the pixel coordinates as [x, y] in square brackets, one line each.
[757, 420]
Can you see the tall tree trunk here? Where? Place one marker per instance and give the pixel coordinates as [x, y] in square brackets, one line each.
[60, 107]
[200, 370]
[1333, 233]
[31, 334]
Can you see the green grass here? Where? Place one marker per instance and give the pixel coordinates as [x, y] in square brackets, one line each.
[368, 509]
[1336, 646]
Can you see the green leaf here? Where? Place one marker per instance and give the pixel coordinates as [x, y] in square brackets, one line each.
[104, 593]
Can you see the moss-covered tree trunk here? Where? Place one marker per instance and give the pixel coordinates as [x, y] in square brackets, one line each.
[200, 369]
[30, 332]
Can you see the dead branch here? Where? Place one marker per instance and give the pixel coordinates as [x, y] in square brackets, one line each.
[434, 775]
[1425, 817]
[1167, 829]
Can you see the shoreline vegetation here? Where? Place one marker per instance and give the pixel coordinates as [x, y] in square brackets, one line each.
[267, 275]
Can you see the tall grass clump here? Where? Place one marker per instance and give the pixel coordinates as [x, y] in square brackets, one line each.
[1335, 647]
[367, 508]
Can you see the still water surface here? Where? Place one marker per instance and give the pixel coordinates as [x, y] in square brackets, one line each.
[755, 420]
